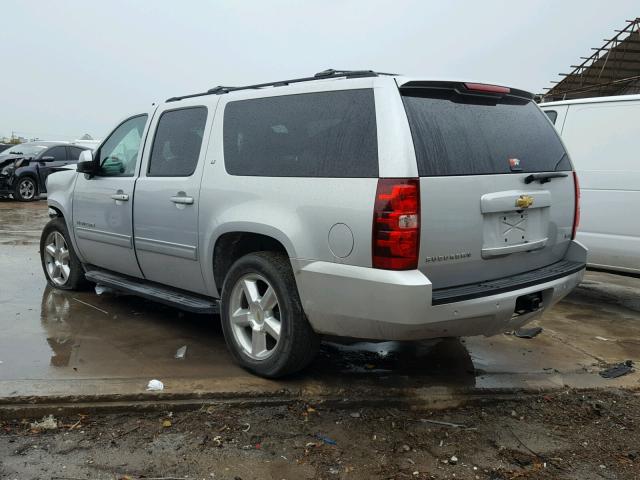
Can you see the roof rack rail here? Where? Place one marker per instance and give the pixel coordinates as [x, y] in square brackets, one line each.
[329, 73]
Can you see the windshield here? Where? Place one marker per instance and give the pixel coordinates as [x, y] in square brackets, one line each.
[28, 150]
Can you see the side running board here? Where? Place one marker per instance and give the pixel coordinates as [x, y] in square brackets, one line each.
[153, 291]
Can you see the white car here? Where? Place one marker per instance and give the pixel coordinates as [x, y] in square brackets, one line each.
[602, 136]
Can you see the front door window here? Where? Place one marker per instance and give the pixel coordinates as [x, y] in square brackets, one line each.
[119, 154]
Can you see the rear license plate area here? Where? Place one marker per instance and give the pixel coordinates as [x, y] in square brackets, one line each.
[513, 228]
[515, 231]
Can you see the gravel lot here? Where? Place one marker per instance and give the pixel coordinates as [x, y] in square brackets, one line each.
[565, 435]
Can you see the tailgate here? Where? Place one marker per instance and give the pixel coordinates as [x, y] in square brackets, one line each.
[483, 216]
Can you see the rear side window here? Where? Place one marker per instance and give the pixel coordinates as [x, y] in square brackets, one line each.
[327, 134]
[74, 153]
[457, 134]
[552, 114]
[55, 154]
[177, 142]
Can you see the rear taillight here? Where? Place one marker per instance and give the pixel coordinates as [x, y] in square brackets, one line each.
[576, 211]
[396, 224]
[486, 88]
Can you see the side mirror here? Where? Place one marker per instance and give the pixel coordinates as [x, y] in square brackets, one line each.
[47, 159]
[85, 163]
[86, 156]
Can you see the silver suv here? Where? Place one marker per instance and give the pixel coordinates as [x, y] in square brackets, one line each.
[350, 204]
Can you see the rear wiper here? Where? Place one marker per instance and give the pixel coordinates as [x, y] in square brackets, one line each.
[544, 177]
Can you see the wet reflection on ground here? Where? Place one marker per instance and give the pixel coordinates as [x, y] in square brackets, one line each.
[48, 334]
[119, 335]
[21, 223]
[445, 361]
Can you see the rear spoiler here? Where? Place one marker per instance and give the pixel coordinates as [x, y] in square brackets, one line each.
[468, 88]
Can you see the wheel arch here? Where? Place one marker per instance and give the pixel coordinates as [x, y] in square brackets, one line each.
[57, 209]
[59, 199]
[19, 175]
[233, 243]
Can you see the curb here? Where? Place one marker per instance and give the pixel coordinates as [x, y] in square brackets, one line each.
[413, 399]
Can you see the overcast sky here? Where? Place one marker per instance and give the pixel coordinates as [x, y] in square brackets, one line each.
[70, 67]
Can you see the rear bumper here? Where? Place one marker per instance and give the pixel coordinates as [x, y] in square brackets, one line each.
[367, 303]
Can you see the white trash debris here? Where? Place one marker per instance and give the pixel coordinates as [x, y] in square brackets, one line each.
[446, 424]
[100, 289]
[47, 423]
[155, 386]
[181, 352]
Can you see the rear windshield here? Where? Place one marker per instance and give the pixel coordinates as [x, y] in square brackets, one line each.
[457, 134]
[326, 134]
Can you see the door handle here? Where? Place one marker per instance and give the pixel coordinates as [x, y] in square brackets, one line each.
[123, 197]
[182, 200]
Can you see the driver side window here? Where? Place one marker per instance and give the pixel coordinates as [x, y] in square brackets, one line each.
[119, 154]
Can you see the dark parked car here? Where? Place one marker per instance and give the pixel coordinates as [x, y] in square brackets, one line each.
[25, 167]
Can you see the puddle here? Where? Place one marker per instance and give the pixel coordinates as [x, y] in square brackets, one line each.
[49, 335]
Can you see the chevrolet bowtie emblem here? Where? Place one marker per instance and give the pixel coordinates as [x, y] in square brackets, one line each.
[524, 201]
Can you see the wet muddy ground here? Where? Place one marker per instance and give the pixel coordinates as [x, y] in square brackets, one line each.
[71, 346]
[567, 435]
[80, 343]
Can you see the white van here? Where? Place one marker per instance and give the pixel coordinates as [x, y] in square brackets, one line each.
[602, 136]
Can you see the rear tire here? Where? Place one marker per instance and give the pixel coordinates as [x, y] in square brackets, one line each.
[26, 190]
[263, 322]
[60, 264]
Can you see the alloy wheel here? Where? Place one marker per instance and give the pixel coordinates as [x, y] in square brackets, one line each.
[56, 258]
[27, 189]
[255, 316]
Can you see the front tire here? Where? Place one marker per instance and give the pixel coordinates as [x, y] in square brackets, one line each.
[61, 265]
[263, 322]
[26, 190]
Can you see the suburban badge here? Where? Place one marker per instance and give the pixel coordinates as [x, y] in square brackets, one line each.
[446, 258]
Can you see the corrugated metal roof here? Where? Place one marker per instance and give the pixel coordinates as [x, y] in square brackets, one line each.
[613, 69]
